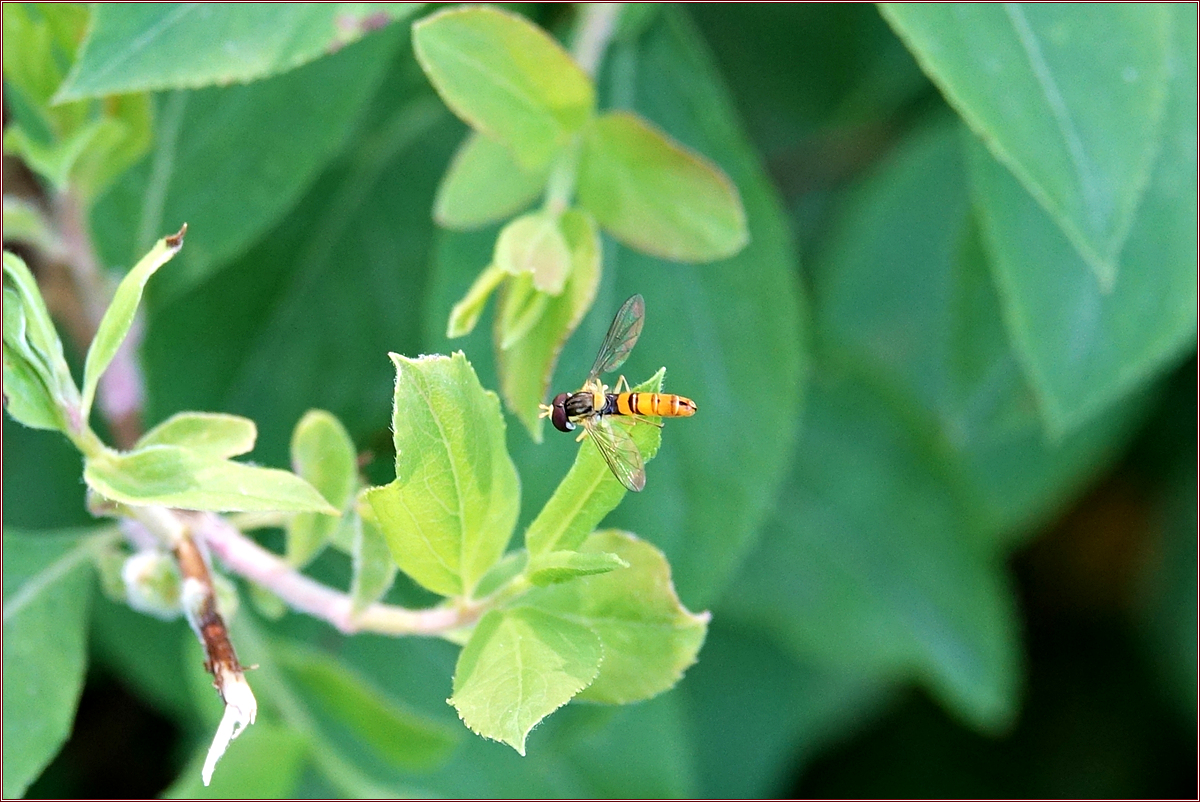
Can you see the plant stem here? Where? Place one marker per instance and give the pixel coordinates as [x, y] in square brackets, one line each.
[246, 558]
[597, 22]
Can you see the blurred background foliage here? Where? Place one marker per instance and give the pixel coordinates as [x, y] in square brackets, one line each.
[922, 582]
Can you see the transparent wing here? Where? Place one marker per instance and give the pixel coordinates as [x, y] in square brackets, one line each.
[622, 336]
[618, 449]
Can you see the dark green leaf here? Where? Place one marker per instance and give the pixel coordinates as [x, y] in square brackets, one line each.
[1084, 344]
[868, 564]
[47, 583]
[506, 78]
[231, 161]
[131, 48]
[903, 292]
[1078, 124]
[397, 735]
[265, 762]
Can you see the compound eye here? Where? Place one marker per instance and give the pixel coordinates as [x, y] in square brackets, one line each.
[558, 414]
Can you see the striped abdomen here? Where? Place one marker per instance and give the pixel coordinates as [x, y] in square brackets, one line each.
[651, 405]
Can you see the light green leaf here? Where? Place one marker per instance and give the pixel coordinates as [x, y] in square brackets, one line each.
[560, 566]
[40, 44]
[25, 222]
[519, 667]
[266, 762]
[323, 455]
[534, 244]
[1078, 124]
[1084, 344]
[655, 195]
[212, 434]
[53, 160]
[527, 364]
[47, 584]
[589, 491]
[649, 637]
[119, 315]
[25, 395]
[374, 568]
[466, 312]
[483, 184]
[186, 46]
[506, 78]
[36, 340]
[173, 476]
[397, 735]
[519, 308]
[450, 512]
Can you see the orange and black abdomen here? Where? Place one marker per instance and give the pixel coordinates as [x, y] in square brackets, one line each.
[653, 405]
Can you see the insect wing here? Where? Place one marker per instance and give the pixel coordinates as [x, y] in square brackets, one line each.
[616, 445]
[622, 336]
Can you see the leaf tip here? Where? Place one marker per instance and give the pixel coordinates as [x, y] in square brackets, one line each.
[175, 241]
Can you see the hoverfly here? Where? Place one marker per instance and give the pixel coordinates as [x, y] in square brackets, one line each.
[593, 404]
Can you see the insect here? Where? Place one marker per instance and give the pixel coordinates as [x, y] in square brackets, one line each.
[592, 405]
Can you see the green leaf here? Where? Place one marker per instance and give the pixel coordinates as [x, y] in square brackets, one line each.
[25, 396]
[562, 566]
[397, 735]
[929, 328]
[869, 564]
[649, 637]
[466, 312]
[266, 762]
[119, 315]
[212, 434]
[42, 40]
[1084, 344]
[450, 512]
[484, 184]
[184, 46]
[54, 160]
[1077, 124]
[374, 569]
[519, 667]
[25, 222]
[655, 195]
[47, 587]
[32, 336]
[527, 364]
[322, 455]
[535, 244]
[506, 78]
[589, 491]
[173, 476]
[519, 308]
[259, 143]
